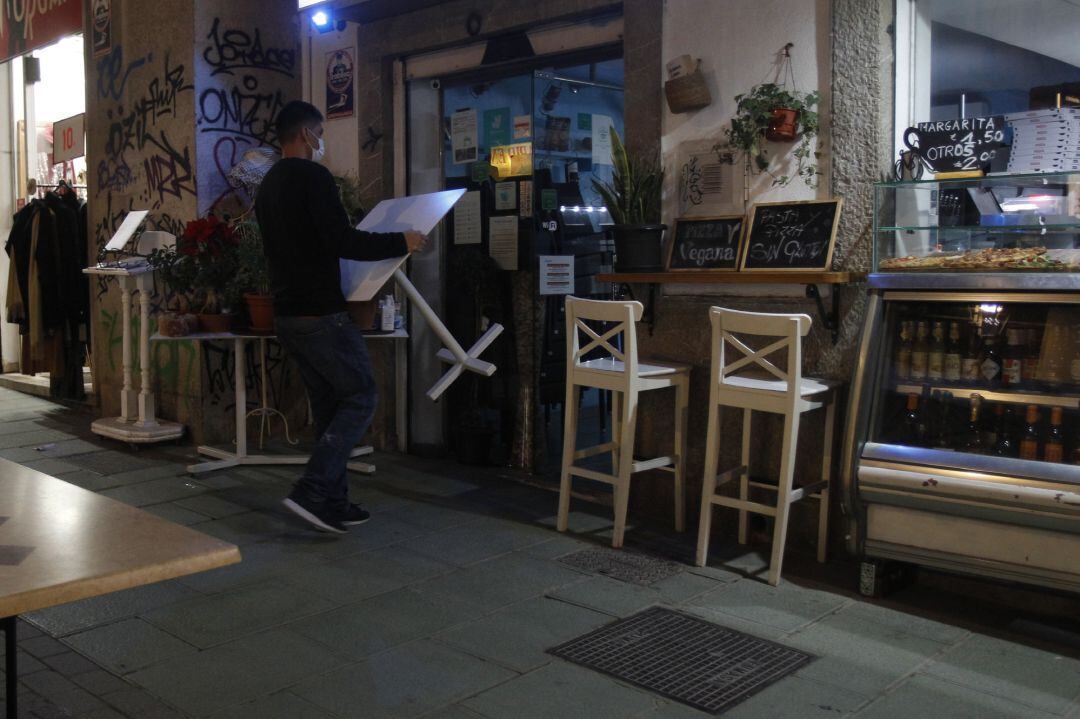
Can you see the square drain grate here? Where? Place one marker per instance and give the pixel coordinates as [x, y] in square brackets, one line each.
[622, 565]
[696, 662]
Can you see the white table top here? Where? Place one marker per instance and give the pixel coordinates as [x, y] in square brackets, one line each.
[210, 336]
[60, 543]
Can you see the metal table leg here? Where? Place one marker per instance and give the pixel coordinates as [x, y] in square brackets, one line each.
[11, 667]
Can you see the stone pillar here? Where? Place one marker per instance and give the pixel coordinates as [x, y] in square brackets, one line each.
[140, 108]
[186, 88]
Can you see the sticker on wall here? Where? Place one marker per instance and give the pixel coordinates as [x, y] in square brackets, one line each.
[556, 274]
[503, 241]
[467, 218]
[584, 121]
[340, 88]
[480, 171]
[463, 136]
[522, 127]
[549, 199]
[101, 27]
[525, 198]
[601, 139]
[505, 196]
[497, 127]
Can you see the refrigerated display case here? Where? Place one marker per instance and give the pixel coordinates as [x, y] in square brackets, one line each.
[962, 446]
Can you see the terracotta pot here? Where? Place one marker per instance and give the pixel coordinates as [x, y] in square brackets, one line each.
[363, 314]
[215, 324]
[783, 126]
[177, 324]
[261, 312]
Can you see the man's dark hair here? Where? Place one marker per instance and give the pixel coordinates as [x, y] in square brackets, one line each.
[294, 117]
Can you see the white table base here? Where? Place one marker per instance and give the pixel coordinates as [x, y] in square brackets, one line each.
[137, 432]
[225, 459]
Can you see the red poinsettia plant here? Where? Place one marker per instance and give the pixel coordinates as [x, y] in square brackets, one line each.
[202, 267]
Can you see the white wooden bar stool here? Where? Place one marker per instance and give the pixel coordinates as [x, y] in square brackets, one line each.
[626, 377]
[754, 383]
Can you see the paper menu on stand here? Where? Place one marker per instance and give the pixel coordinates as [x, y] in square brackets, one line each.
[126, 230]
[421, 213]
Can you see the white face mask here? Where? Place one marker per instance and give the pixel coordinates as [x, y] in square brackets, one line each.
[317, 153]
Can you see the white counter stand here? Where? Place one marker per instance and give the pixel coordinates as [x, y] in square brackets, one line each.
[138, 422]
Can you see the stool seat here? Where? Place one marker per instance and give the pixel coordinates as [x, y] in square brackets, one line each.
[808, 385]
[650, 369]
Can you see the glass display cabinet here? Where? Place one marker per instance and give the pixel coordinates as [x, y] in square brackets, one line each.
[962, 446]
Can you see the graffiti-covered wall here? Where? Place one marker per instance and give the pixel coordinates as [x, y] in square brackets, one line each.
[247, 66]
[185, 89]
[140, 109]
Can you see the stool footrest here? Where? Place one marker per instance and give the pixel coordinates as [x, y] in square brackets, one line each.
[593, 474]
[593, 451]
[736, 503]
[730, 474]
[647, 464]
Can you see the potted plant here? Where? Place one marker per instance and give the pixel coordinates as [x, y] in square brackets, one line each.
[632, 197]
[253, 277]
[212, 246]
[177, 272]
[771, 112]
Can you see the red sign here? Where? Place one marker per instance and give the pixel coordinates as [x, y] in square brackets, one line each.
[26, 25]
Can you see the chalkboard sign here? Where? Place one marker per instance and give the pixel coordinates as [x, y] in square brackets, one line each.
[705, 243]
[957, 145]
[791, 235]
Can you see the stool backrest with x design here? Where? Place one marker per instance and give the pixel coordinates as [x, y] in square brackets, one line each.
[602, 335]
[733, 357]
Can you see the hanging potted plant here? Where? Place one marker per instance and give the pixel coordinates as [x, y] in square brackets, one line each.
[254, 277]
[177, 273]
[771, 112]
[212, 245]
[632, 197]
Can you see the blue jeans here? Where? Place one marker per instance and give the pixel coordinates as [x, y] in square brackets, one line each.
[336, 370]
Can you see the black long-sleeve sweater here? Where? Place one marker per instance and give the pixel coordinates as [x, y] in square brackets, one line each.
[306, 231]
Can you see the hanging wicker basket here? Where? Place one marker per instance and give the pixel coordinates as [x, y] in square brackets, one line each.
[687, 93]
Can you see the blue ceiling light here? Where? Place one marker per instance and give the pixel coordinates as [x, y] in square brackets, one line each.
[322, 20]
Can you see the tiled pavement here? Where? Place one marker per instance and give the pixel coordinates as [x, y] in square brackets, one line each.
[442, 606]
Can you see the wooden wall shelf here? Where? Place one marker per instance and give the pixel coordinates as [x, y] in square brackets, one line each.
[830, 318]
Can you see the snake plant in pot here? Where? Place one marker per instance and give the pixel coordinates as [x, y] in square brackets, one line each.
[632, 197]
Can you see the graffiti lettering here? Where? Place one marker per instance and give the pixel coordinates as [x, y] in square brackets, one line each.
[236, 49]
[113, 74]
[243, 111]
[168, 171]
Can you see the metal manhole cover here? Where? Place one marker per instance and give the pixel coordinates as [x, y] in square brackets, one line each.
[690, 660]
[622, 565]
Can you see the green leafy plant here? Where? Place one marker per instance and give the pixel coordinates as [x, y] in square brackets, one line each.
[253, 273]
[349, 191]
[633, 196]
[177, 272]
[753, 114]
